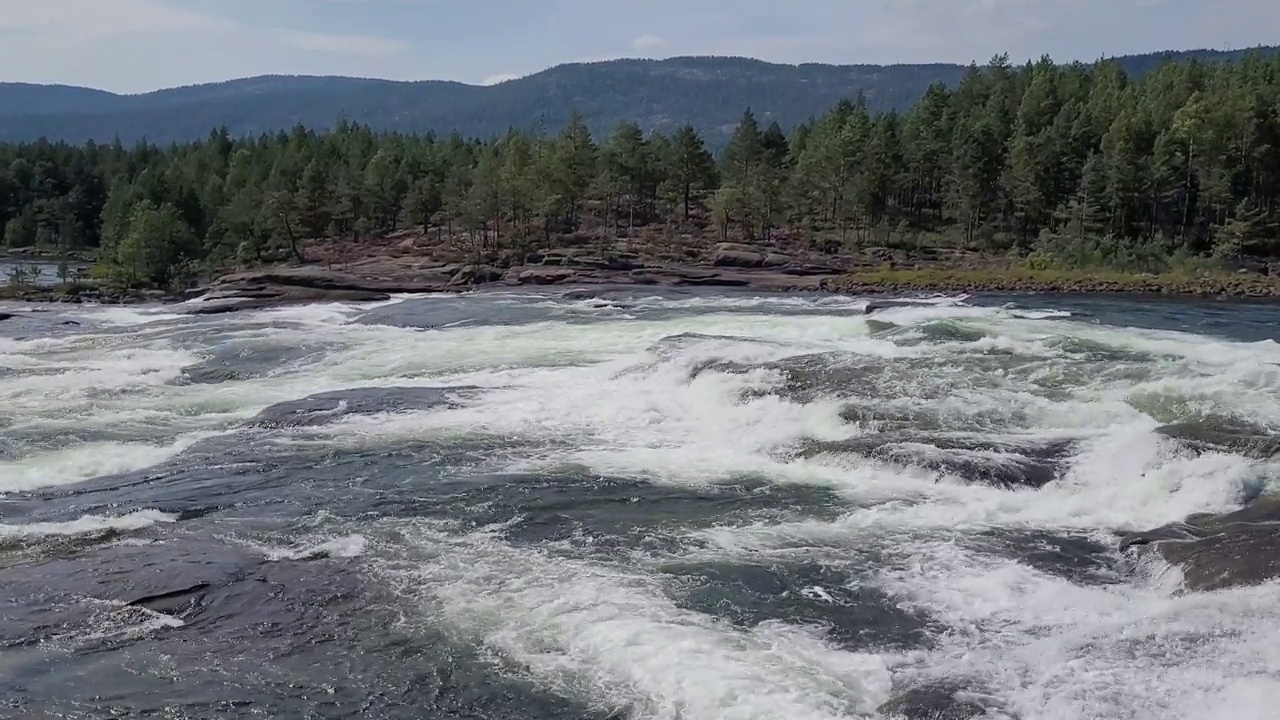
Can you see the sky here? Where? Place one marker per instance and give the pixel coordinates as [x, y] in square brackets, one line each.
[140, 45]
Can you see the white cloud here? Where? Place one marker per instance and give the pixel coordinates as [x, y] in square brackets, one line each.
[648, 43]
[71, 21]
[499, 78]
[140, 45]
[132, 45]
[365, 45]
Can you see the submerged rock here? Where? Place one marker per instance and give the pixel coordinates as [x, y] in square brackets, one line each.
[173, 602]
[326, 407]
[932, 702]
[974, 460]
[855, 616]
[1213, 552]
[207, 374]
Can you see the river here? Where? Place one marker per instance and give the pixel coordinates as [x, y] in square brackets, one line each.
[626, 504]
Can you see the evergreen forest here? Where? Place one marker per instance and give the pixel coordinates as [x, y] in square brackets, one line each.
[1066, 165]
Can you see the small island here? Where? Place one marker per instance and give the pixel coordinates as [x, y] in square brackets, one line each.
[1040, 178]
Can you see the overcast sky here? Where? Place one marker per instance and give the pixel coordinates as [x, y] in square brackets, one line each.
[138, 45]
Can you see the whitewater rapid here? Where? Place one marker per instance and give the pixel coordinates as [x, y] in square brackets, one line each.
[672, 506]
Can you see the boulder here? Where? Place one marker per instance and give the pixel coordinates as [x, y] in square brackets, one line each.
[476, 275]
[1235, 549]
[738, 259]
[544, 275]
[739, 247]
[882, 254]
[777, 260]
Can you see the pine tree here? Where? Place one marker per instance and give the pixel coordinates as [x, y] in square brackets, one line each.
[690, 170]
[744, 174]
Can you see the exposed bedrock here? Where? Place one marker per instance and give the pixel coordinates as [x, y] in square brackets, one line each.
[324, 408]
[1213, 552]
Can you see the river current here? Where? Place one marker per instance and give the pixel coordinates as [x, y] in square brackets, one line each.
[626, 504]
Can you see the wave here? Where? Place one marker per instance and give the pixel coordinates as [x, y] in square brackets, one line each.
[87, 525]
[612, 635]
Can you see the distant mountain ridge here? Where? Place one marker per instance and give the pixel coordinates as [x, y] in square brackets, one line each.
[709, 92]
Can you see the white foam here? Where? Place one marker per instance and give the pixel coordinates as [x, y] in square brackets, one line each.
[610, 634]
[1057, 650]
[88, 524]
[113, 316]
[115, 621]
[349, 546]
[82, 462]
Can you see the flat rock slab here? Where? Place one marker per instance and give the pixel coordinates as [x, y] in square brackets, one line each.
[377, 280]
[262, 298]
[324, 408]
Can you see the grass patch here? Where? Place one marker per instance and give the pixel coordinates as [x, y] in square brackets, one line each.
[1026, 279]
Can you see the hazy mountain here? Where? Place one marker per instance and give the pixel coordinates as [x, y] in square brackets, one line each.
[710, 92]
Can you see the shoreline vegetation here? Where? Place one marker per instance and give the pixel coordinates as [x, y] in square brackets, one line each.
[1044, 178]
[1027, 280]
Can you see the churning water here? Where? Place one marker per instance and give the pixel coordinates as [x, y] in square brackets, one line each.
[622, 504]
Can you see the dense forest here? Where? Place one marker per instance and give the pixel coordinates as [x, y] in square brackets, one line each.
[1074, 165]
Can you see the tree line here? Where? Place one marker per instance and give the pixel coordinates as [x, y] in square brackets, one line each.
[1075, 164]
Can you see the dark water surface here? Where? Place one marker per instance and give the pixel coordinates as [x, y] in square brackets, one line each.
[629, 504]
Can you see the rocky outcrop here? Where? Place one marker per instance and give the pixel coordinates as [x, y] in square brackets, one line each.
[1213, 552]
[376, 279]
[379, 277]
[738, 255]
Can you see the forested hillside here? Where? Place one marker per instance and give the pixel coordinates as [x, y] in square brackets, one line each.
[1076, 166]
[706, 92]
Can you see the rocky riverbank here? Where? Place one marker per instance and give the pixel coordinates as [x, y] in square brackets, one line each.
[379, 278]
[408, 266]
